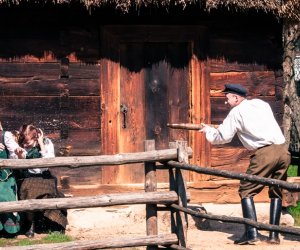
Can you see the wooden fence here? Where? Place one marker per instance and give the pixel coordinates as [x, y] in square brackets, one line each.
[177, 195]
[174, 160]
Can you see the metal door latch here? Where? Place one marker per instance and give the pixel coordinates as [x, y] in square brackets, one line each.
[124, 110]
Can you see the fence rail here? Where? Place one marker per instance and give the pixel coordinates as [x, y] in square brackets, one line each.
[233, 175]
[86, 161]
[151, 197]
[90, 201]
[150, 240]
[174, 160]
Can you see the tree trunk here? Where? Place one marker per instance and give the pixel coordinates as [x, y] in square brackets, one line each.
[291, 117]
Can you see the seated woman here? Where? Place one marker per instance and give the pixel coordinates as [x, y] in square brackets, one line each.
[9, 222]
[38, 183]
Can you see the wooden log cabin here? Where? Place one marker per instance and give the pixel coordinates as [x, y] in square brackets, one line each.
[101, 80]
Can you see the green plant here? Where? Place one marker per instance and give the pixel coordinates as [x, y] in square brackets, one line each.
[292, 170]
[52, 237]
[27, 242]
[295, 212]
[56, 237]
[2, 242]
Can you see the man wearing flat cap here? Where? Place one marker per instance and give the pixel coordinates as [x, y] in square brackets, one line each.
[254, 123]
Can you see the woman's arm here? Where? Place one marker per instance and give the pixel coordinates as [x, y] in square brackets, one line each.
[15, 151]
[46, 145]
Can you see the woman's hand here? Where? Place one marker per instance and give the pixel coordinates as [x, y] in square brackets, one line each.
[40, 139]
[2, 147]
[21, 153]
[40, 136]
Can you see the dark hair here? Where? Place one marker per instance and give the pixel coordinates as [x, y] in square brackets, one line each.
[25, 130]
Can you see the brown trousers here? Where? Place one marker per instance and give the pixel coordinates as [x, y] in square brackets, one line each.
[270, 162]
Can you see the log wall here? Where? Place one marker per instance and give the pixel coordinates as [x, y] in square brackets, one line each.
[69, 78]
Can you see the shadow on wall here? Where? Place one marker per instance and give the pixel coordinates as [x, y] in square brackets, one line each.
[250, 37]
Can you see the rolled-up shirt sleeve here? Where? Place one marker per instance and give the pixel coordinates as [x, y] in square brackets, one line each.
[11, 144]
[49, 149]
[224, 133]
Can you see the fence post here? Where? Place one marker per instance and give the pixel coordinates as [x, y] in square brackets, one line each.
[177, 183]
[150, 186]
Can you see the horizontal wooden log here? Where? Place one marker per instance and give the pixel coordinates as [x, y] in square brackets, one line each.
[199, 192]
[219, 110]
[108, 243]
[73, 144]
[221, 66]
[259, 83]
[47, 112]
[239, 176]
[258, 225]
[233, 158]
[90, 201]
[42, 86]
[84, 71]
[51, 70]
[39, 105]
[74, 162]
[230, 156]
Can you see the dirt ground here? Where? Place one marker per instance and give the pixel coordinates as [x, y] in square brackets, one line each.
[96, 223]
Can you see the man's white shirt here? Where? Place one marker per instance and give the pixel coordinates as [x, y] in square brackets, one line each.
[254, 123]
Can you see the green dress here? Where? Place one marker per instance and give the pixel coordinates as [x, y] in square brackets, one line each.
[8, 189]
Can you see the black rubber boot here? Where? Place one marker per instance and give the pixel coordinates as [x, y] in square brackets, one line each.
[251, 235]
[275, 212]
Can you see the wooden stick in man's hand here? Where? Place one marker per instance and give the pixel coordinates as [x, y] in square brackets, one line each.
[189, 126]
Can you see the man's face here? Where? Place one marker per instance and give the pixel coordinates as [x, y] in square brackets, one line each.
[231, 100]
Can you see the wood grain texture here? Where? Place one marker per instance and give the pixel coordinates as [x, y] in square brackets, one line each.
[132, 124]
[91, 201]
[258, 83]
[108, 243]
[110, 116]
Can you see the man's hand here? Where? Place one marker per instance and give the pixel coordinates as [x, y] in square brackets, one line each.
[2, 147]
[204, 128]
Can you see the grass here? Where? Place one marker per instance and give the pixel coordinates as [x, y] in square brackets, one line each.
[294, 211]
[53, 237]
[292, 171]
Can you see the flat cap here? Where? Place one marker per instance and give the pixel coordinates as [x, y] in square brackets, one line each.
[235, 89]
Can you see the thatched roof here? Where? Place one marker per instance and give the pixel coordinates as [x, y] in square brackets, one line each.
[289, 9]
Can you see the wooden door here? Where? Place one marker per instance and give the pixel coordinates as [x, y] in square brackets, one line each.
[153, 91]
[146, 82]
